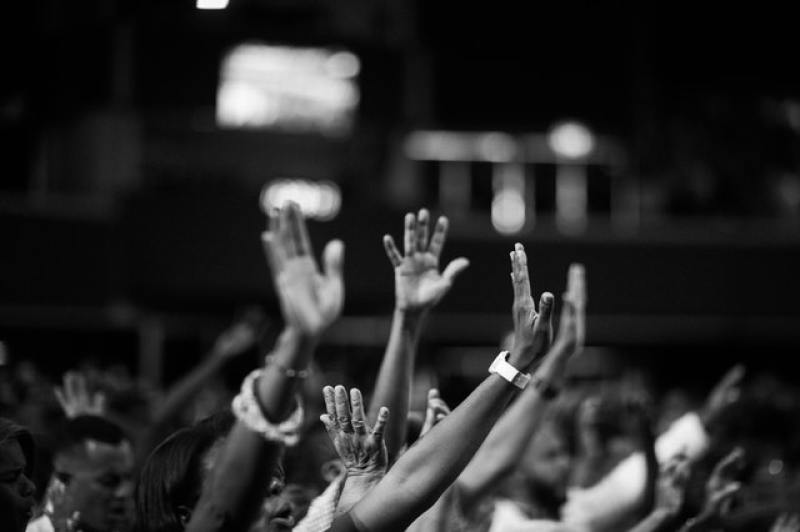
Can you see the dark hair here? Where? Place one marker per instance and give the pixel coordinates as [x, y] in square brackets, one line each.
[81, 428]
[10, 431]
[172, 476]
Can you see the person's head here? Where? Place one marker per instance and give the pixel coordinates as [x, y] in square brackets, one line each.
[93, 473]
[547, 463]
[173, 477]
[16, 468]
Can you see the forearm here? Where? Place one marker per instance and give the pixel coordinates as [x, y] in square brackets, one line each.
[503, 446]
[186, 388]
[510, 436]
[240, 477]
[275, 390]
[393, 386]
[355, 487]
[238, 483]
[422, 474]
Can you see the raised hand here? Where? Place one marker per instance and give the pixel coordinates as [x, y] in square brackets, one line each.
[75, 399]
[786, 523]
[572, 324]
[722, 486]
[725, 394]
[310, 300]
[532, 331]
[362, 449]
[418, 283]
[436, 411]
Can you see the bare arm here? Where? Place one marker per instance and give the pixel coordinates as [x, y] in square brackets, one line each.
[310, 302]
[422, 474]
[418, 287]
[511, 435]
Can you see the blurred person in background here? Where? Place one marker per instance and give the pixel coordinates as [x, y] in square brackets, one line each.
[16, 470]
[91, 488]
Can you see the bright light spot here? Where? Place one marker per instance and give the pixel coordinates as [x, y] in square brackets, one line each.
[320, 200]
[343, 65]
[294, 89]
[775, 467]
[496, 147]
[212, 4]
[571, 140]
[508, 211]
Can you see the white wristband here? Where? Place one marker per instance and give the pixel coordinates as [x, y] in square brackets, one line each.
[247, 410]
[501, 367]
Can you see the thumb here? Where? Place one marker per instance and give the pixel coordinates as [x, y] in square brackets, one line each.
[333, 259]
[455, 267]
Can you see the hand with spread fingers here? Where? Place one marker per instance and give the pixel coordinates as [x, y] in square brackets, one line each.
[362, 449]
[436, 411]
[310, 300]
[722, 486]
[786, 523]
[75, 399]
[418, 283]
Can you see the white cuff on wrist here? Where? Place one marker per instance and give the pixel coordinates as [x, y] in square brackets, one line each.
[501, 367]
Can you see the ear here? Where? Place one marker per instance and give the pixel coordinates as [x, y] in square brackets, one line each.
[331, 470]
[184, 514]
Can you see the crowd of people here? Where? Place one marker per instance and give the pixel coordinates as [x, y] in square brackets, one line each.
[528, 449]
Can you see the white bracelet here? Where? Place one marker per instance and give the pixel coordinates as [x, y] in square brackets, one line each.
[501, 367]
[246, 408]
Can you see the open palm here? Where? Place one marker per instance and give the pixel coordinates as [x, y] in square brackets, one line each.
[310, 300]
[418, 283]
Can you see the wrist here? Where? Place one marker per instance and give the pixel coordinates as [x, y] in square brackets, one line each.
[294, 348]
[412, 316]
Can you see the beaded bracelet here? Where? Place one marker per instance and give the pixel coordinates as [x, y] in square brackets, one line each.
[247, 409]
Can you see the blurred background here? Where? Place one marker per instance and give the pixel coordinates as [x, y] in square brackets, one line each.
[658, 143]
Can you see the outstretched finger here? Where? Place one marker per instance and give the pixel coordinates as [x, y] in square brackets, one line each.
[439, 236]
[576, 284]
[732, 378]
[342, 408]
[515, 276]
[729, 466]
[522, 264]
[333, 260]
[410, 234]
[380, 423]
[273, 252]
[723, 498]
[330, 404]
[546, 303]
[61, 398]
[453, 269]
[357, 404]
[284, 236]
[423, 219]
[391, 251]
[298, 230]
